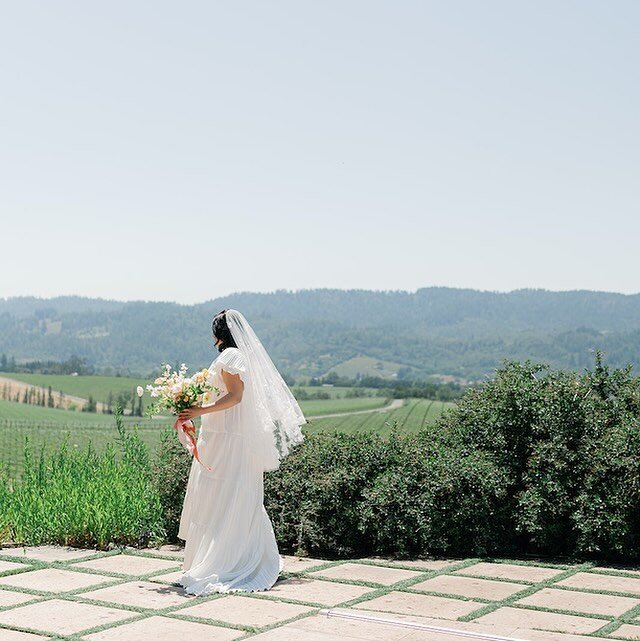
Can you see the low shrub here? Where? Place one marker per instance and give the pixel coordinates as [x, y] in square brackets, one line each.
[569, 445]
[435, 498]
[170, 472]
[315, 498]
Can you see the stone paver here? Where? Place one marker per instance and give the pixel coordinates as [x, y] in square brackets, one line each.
[626, 631]
[159, 628]
[510, 571]
[316, 591]
[420, 604]
[15, 635]
[361, 572]
[47, 553]
[54, 580]
[617, 570]
[61, 617]
[128, 564]
[592, 581]
[246, 610]
[425, 564]
[9, 597]
[171, 577]
[469, 587]
[167, 550]
[144, 594]
[580, 601]
[287, 633]
[7, 566]
[524, 618]
[300, 564]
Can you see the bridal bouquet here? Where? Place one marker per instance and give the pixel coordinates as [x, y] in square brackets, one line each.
[175, 392]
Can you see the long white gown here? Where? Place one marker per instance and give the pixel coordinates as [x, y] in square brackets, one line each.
[230, 545]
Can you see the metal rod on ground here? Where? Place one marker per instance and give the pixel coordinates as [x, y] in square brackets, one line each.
[418, 626]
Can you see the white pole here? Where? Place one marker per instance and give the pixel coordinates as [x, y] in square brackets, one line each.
[417, 626]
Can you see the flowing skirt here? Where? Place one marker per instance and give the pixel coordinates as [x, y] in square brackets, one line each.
[230, 545]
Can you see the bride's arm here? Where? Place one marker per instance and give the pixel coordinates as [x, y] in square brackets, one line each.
[235, 388]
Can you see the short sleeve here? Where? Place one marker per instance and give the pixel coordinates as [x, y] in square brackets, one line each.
[232, 360]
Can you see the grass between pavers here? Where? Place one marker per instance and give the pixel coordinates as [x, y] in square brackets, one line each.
[610, 623]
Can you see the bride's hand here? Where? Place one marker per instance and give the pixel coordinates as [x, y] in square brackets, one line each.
[190, 413]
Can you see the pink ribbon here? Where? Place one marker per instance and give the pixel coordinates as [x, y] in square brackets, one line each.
[187, 436]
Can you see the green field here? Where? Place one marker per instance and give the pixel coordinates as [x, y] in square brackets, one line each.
[366, 366]
[317, 408]
[413, 415]
[83, 386]
[99, 387]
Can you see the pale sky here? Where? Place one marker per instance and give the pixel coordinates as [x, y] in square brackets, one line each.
[187, 150]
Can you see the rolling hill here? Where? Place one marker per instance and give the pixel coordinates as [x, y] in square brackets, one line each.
[435, 331]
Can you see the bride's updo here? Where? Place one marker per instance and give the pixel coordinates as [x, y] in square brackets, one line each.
[221, 331]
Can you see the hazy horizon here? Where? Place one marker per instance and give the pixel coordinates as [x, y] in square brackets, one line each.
[306, 289]
[183, 153]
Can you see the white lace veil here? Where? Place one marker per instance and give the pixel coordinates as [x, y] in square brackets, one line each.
[266, 395]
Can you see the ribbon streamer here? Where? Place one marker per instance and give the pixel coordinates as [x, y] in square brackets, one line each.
[187, 436]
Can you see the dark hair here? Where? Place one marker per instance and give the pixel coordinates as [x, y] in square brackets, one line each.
[221, 330]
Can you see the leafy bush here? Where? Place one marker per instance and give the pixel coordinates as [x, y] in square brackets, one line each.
[570, 448]
[315, 497]
[434, 498]
[170, 471]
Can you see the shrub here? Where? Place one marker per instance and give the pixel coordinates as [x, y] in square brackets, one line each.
[432, 498]
[607, 514]
[314, 498]
[170, 470]
[569, 446]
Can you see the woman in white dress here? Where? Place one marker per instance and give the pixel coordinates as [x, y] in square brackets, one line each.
[249, 427]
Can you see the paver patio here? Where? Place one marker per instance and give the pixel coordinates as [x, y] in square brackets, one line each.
[127, 594]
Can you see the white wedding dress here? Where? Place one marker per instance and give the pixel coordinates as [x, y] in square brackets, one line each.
[230, 545]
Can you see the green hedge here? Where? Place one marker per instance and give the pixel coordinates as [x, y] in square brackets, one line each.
[570, 446]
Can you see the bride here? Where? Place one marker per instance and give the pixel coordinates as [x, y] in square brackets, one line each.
[251, 425]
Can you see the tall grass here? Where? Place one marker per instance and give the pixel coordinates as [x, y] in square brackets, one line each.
[82, 498]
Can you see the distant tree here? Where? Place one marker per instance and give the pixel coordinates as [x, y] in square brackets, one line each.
[123, 399]
[90, 405]
[50, 398]
[109, 408]
[4, 362]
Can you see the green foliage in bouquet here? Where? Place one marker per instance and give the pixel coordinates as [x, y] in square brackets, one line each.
[176, 391]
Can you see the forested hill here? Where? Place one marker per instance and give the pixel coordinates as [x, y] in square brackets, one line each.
[434, 331]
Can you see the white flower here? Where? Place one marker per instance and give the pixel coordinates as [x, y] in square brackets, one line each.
[140, 390]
